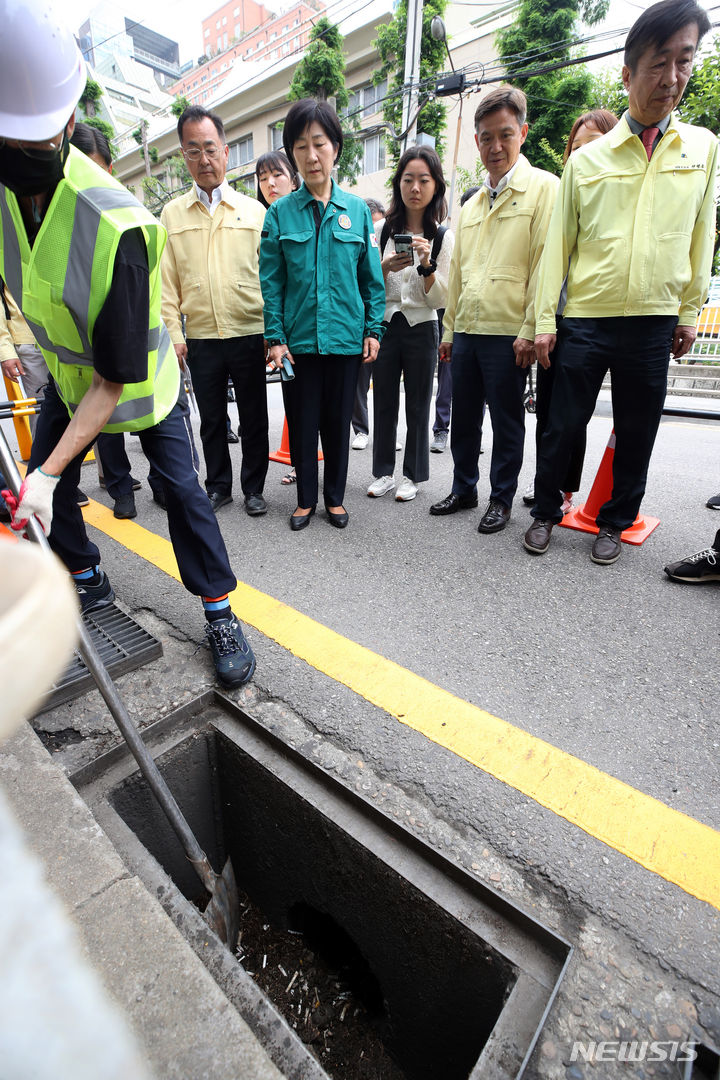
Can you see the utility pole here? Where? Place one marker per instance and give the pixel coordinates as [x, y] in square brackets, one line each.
[411, 76]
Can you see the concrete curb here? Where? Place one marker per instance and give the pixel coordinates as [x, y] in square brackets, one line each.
[186, 1026]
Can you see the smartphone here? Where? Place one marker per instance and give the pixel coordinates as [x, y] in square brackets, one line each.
[403, 245]
[286, 372]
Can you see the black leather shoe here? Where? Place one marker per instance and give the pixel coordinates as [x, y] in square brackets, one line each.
[300, 521]
[255, 505]
[125, 506]
[338, 520]
[495, 517]
[607, 547]
[217, 500]
[537, 538]
[231, 436]
[159, 498]
[452, 504]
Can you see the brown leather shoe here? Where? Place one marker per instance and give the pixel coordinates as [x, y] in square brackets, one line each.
[537, 538]
[607, 547]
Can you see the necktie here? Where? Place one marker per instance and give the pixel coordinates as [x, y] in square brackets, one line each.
[648, 137]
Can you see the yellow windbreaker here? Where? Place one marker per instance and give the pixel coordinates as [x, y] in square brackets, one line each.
[494, 265]
[638, 234]
[210, 267]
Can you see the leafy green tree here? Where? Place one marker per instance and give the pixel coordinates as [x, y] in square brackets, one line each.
[90, 97]
[540, 36]
[321, 74]
[390, 44]
[179, 105]
[609, 92]
[701, 105]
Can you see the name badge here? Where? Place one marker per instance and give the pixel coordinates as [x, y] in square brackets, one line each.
[344, 222]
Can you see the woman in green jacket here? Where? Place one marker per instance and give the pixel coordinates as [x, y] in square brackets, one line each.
[324, 300]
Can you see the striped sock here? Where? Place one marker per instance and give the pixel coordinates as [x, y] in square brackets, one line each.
[216, 607]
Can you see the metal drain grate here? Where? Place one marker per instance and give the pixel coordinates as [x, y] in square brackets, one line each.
[123, 645]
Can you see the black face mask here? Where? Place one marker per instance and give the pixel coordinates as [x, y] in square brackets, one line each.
[34, 175]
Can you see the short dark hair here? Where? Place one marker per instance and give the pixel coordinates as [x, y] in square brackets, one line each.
[602, 119]
[193, 113]
[375, 207]
[468, 194]
[503, 97]
[309, 111]
[658, 23]
[436, 210]
[274, 160]
[91, 140]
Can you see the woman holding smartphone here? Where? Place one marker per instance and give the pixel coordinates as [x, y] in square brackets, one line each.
[323, 294]
[415, 252]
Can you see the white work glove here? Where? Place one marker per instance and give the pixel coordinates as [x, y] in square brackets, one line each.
[36, 497]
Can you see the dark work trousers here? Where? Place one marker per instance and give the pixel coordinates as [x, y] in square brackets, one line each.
[211, 361]
[443, 398]
[484, 370]
[410, 352]
[543, 396]
[194, 532]
[360, 418]
[636, 351]
[115, 464]
[319, 400]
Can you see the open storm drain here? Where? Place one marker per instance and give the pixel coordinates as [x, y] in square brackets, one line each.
[363, 953]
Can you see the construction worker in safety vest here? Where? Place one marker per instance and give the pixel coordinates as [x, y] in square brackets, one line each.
[81, 257]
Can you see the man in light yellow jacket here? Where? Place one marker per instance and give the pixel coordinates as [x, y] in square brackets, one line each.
[210, 276]
[489, 322]
[635, 217]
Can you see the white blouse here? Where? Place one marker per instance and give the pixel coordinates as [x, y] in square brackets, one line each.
[405, 289]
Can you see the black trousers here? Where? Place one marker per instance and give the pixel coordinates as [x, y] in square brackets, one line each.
[636, 351]
[409, 352]
[319, 400]
[194, 532]
[360, 418]
[484, 370]
[543, 396]
[211, 362]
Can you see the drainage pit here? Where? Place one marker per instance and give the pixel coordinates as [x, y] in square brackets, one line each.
[385, 961]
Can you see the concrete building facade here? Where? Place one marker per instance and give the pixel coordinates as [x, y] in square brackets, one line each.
[253, 99]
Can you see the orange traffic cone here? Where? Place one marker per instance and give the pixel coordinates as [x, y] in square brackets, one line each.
[283, 453]
[583, 517]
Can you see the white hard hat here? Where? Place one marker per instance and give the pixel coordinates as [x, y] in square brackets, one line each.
[42, 72]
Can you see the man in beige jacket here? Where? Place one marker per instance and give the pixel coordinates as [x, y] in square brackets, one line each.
[210, 276]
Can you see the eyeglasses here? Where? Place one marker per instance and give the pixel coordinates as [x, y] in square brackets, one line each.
[194, 153]
[38, 151]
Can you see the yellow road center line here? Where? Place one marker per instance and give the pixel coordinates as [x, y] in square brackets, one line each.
[665, 841]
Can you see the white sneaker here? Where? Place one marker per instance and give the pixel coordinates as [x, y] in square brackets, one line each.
[406, 490]
[360, 441]
[381, 486]
[398, 446]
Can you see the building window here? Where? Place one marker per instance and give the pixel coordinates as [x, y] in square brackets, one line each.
[217, 25]
[236, 12]
[218, 45]
[373, 154]
[240, 152]
[273, 54]
[285, 29]
[224, 20]
[238, 30]
[207, 31]
[286, 47]
[276, 137]
[271, 37]
[225, 39]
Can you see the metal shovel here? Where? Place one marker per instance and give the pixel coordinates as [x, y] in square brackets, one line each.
[222, 913]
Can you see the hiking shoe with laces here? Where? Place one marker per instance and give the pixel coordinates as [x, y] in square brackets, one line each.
[698, 568]
[93, 597]
[233, 658]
